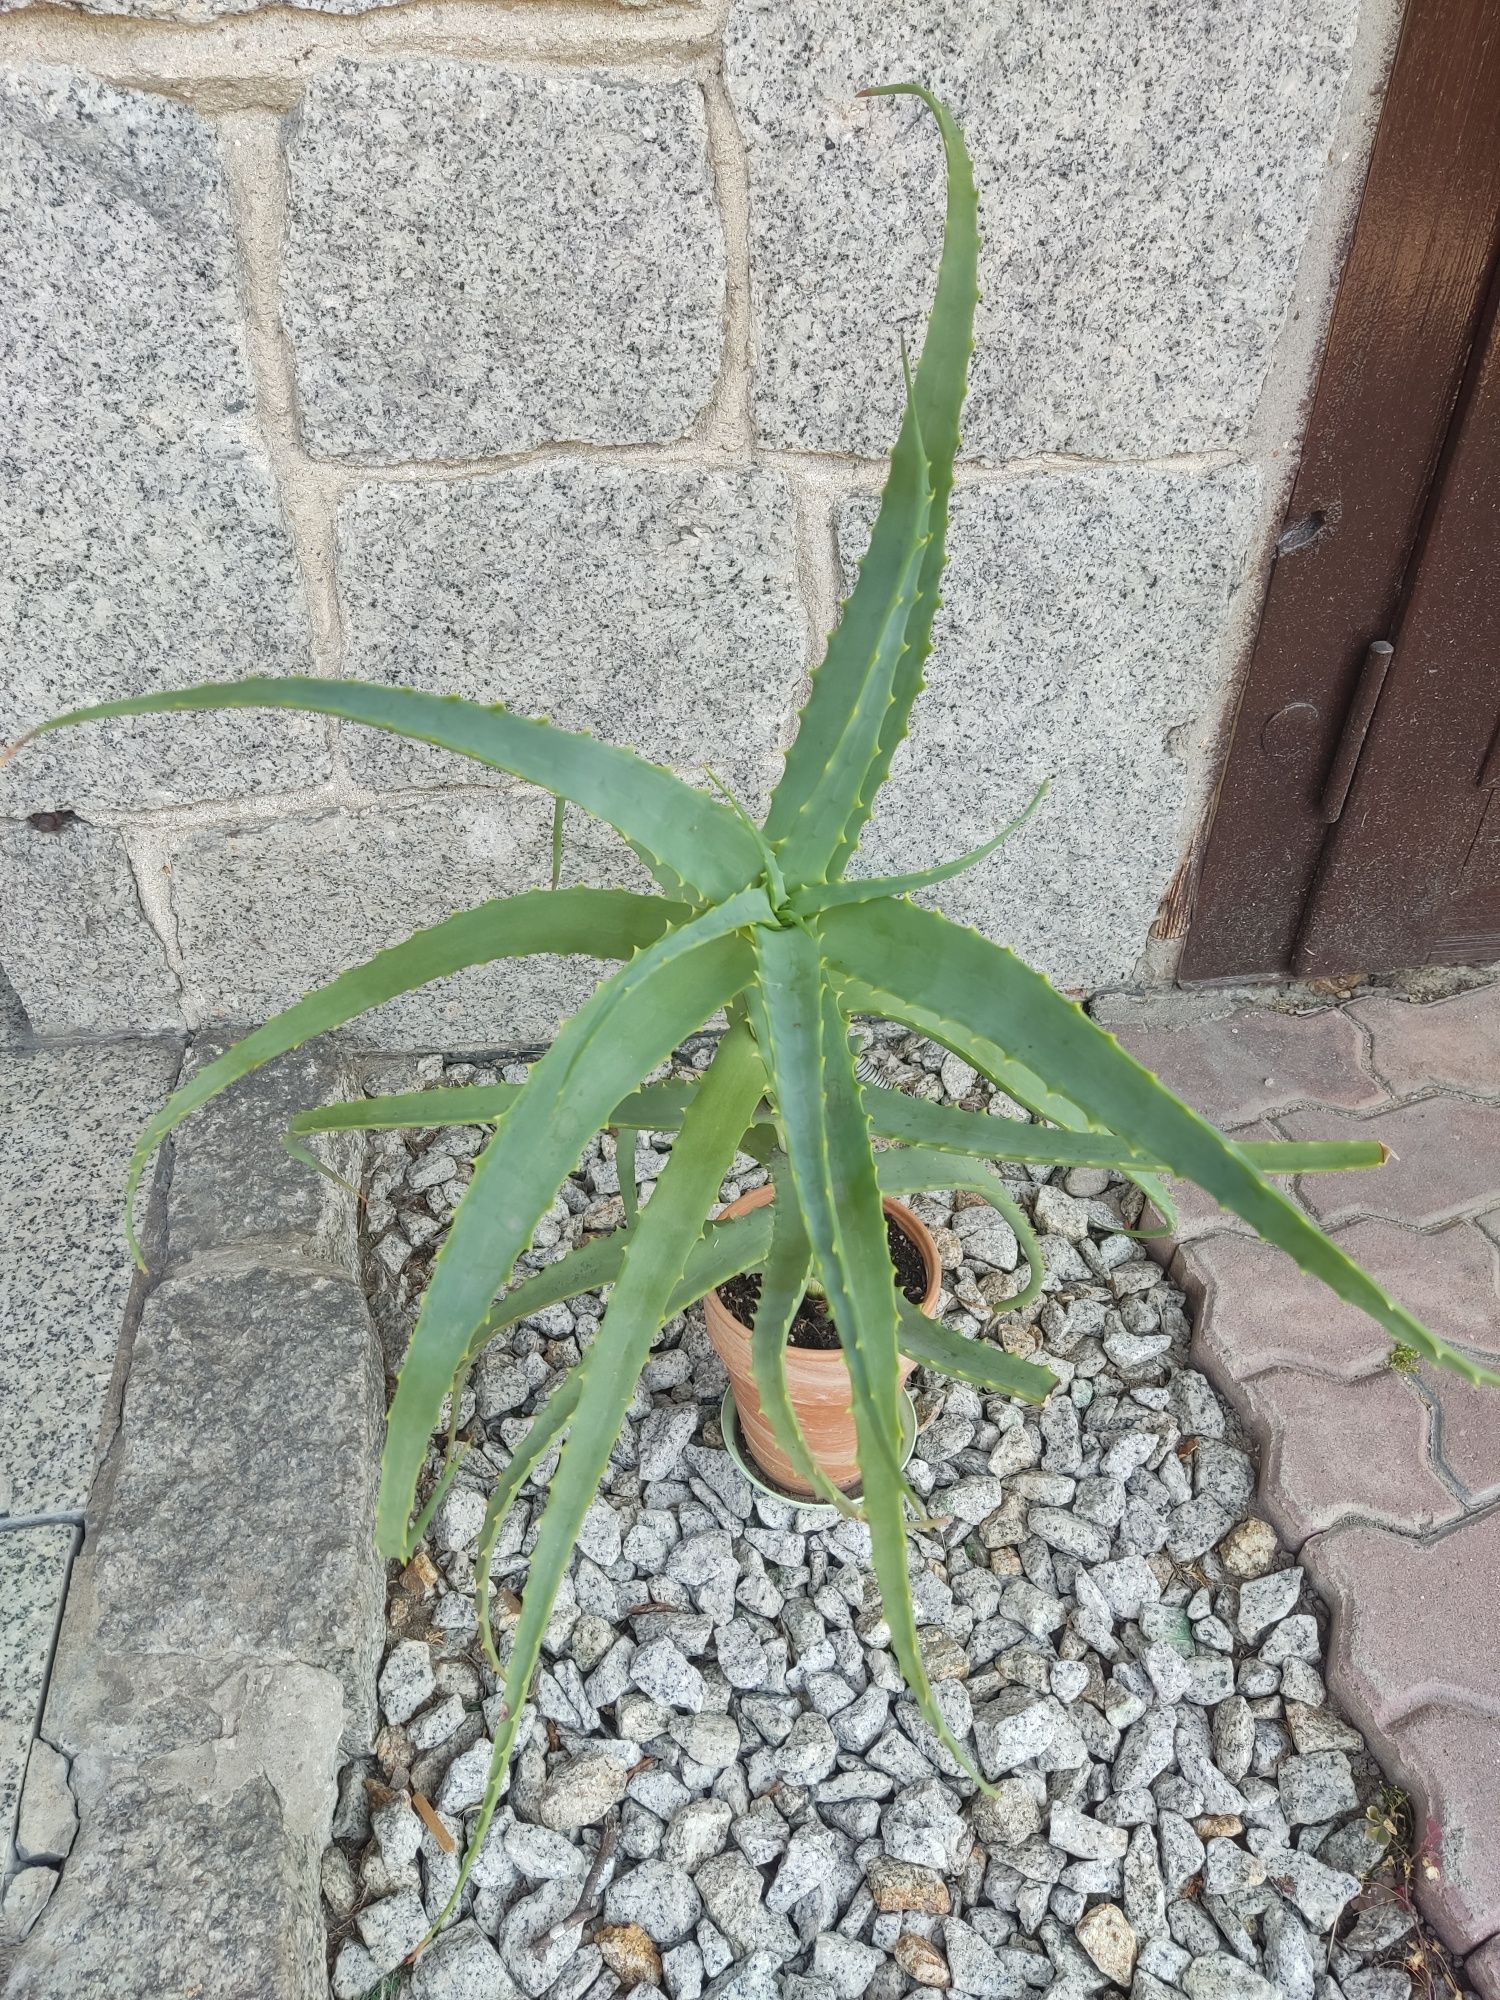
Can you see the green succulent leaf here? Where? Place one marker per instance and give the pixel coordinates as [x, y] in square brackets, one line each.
[807, 902]
[683, 834]
[656, 1256]
[961, 978]
[942, 380]
[911, 1169]
[628, 1025]
[605, 923]
[933, 1345]
[549, 1423]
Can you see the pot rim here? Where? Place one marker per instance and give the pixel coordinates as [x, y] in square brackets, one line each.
[738, 1447]
[911, 1226]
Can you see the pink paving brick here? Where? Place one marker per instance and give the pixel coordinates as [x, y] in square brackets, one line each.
[1451, 1042]
[1334, 1450]
[1252, 1064]
[1446, 1162]
[1256, 1310]
[1448, 1760]
[1482, 1970]
[1198, 1214]
[1414, 1623]
[1468, 1431]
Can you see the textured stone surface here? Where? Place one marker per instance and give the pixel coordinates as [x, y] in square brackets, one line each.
[1146, 182]
[145, 545]
[33, 1572]
[265, 912]
[68, 1121]
[1078, 640]
[74, 939]
[202, 10]
[654, 607]
[204, 1895]
[260, 1383]
[543, 260]
[1449, 1758]
[234, 1184]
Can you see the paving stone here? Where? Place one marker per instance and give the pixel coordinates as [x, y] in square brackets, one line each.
[1453, 1043]
[172, 1891]
[263, 1383]
[686, 582]
[1448, 1758]
[1256, 1310]
[74, 940]
[1319, 1466]
[1413, 1625]
[1482, 1970]
[33, 1575]
[119, 259]
[1042, 586]
[68, 1121]
[1445, 1162]
[1077, 350]
[545, 261]
[235, 1186]
[265, 912]
[1467, 1429]
[48, 1819]
[1257, 1062]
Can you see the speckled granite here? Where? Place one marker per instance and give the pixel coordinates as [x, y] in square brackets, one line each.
[68, 1120]
[1079, 638]
[145, 546]
[656, 608]
[1146, 175]
[477, 262]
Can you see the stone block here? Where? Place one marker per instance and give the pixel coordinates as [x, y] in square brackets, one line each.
[261, 1384]
[1444, 1164]
[234, 1185]
[74, 940]
[68, 1121]
[1146, 176]
[145, 545]
[657, 608]
[1454, 1043]
[480, 263]
[1080, 636]
[266, 912]
[1448, 1759]
[197, 11]
[1255, 1063]
[168, 1891]
[33, 1577]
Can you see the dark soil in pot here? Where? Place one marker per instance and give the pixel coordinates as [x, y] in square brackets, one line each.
[812, 1326]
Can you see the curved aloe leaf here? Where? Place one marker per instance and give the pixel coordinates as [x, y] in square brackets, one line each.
[909, 1170]
[784, 1279]
[840, 727]
[656, 1256]
[962, 978]
[628, 1025]
[550, 1421]
[606, 923]
[683, 834]
[942, 379]
[807, 902]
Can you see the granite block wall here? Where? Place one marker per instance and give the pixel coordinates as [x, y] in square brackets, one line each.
[545, 351]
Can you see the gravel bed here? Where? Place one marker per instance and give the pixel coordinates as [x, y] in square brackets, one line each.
[1129, 1653]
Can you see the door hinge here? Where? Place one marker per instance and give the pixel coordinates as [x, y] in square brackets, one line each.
[1351, 741]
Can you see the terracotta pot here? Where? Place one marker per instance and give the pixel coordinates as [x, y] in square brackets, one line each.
[818, 1377]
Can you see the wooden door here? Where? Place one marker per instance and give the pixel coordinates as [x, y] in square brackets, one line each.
[1353, 660]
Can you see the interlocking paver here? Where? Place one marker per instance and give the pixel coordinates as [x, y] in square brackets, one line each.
[1414, 1623]
[1256, 1311]
[1448, 1042]
[1253, 1064]
[1198, 1214]
[1482, 1970]
[1467, 1432]
[1445, 1162]
[1448, 1759]
[1332, 1451]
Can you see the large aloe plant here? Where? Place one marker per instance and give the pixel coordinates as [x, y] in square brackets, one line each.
[760, 921]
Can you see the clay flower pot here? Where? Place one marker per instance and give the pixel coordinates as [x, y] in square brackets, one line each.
[818, 1377]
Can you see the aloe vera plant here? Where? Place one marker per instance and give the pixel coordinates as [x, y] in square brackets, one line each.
[761, 921]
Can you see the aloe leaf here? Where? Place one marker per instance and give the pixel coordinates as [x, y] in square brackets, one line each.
[654, 1107]
[933, 1345]
[942, 379]
[606, 923]
[971, 983]
[559, 807]
[656, 1255]
[784, 1279]
[630, 1193]
[546, 1426]
[683, 834]
[840, 727]
[807, 902]
[832, 1170]
[911, 1169]
[628, 1025]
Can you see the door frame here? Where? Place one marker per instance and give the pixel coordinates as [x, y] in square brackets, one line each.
[1409, 302]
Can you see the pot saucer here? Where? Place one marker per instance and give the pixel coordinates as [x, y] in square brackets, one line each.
[734, 1444]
